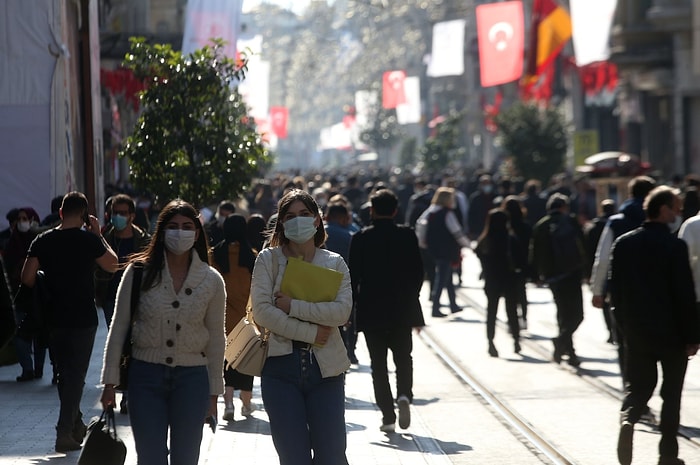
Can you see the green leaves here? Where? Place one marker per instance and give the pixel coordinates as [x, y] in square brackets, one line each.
[193, 138]
[536, 139]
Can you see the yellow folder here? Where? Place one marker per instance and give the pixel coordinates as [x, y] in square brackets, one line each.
[311, 283]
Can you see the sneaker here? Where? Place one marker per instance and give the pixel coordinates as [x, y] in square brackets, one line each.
[404, 412]
[247, 411]
[624, 443]
[228, 413]
[388, 428]
[66, 444]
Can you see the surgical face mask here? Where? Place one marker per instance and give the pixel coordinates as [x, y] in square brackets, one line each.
[179, 241]
[676, 224]
[119, 222]
[23, 226]
[300, 229]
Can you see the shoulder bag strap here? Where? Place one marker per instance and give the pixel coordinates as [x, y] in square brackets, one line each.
[135, 293]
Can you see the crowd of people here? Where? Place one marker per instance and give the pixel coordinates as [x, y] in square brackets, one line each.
[174, 280]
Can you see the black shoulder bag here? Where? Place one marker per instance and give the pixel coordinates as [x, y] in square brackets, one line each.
[125, 360]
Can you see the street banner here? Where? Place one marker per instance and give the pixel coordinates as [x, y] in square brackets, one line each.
[410, 111]
[392, 89]
[501, 36]
[447, 57]
[278, 121]
[591, 23]
[208, 19]
[365, 103]
[255, 88]
[549, 32]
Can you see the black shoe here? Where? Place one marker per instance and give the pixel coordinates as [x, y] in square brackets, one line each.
[624, 443]
[438, 314]
[516, 347]
[66, 444]
[38, 374]
[574, 361]
[25, 376]
[457, 309]
[556, 356]
[492, 350]
[670, 461]
[124, 407]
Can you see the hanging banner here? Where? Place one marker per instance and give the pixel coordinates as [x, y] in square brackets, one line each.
[501, 36]
[448, 49]
[410, 111]
[278, 121]
[591, 22]
[208, 19]
[392, 89]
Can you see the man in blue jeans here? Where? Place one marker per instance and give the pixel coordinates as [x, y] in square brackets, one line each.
[386, 271]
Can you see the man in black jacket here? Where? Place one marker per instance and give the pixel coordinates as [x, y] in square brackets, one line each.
[653, 299]
[387, 275]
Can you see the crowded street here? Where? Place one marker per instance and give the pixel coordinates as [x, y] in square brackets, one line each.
[469, 408]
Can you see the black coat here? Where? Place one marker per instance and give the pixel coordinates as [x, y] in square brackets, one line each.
[652, 290]
[387, 274]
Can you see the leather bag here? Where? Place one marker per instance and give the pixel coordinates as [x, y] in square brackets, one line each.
[246, 346]
[247, 343]
[102, 445]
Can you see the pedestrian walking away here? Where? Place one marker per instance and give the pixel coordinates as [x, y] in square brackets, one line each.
[387, 274]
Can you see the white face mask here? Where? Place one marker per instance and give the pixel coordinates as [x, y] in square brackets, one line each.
[676, 224]
[300, 229]
[179, 241]
[23, 226]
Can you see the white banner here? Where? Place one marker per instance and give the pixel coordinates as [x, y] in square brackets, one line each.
[410, 111]
[591, 22]
[255, 88]
[448, 49]
[208, 19]
[366, 102]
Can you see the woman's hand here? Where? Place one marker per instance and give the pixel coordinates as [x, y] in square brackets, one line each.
[108, 398]
[213, 410]
[283, 302]
[322, 334]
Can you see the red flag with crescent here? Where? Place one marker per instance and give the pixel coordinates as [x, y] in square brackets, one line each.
[278, 121]
[392, 89]
[501, 35]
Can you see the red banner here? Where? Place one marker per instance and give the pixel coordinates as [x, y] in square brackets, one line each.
[392, 89]
[278, 121]
[501, 35]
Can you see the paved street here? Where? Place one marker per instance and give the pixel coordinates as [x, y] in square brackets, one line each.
[575, 411]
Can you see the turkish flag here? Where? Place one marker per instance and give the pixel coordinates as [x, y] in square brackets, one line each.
[278, 121]
[392, 89]
[501, 34]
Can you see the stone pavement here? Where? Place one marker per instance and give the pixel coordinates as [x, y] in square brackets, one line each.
[450, 425]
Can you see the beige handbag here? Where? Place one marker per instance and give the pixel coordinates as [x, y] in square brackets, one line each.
[246, 344]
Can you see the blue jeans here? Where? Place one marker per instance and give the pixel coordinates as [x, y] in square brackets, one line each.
[163, 398]
[306, 411]
[443, 279]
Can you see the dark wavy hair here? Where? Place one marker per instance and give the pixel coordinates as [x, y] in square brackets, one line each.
[278, 238]
[153, 257]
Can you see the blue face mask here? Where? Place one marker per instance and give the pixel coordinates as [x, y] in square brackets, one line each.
[119, 222]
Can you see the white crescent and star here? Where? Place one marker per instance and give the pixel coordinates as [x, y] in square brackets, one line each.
[500, 34]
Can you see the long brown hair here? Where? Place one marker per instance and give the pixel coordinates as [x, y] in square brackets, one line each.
[153, 257]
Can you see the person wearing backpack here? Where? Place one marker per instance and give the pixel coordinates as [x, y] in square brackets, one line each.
[557, 255]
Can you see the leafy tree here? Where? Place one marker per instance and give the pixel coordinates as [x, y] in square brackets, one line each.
[383, 133]
[444, 147]
[536, 139]
[193, 138]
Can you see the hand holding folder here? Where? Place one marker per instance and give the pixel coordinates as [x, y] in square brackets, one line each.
[309, 282]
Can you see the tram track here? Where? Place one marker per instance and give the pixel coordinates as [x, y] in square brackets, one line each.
[530, 436]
